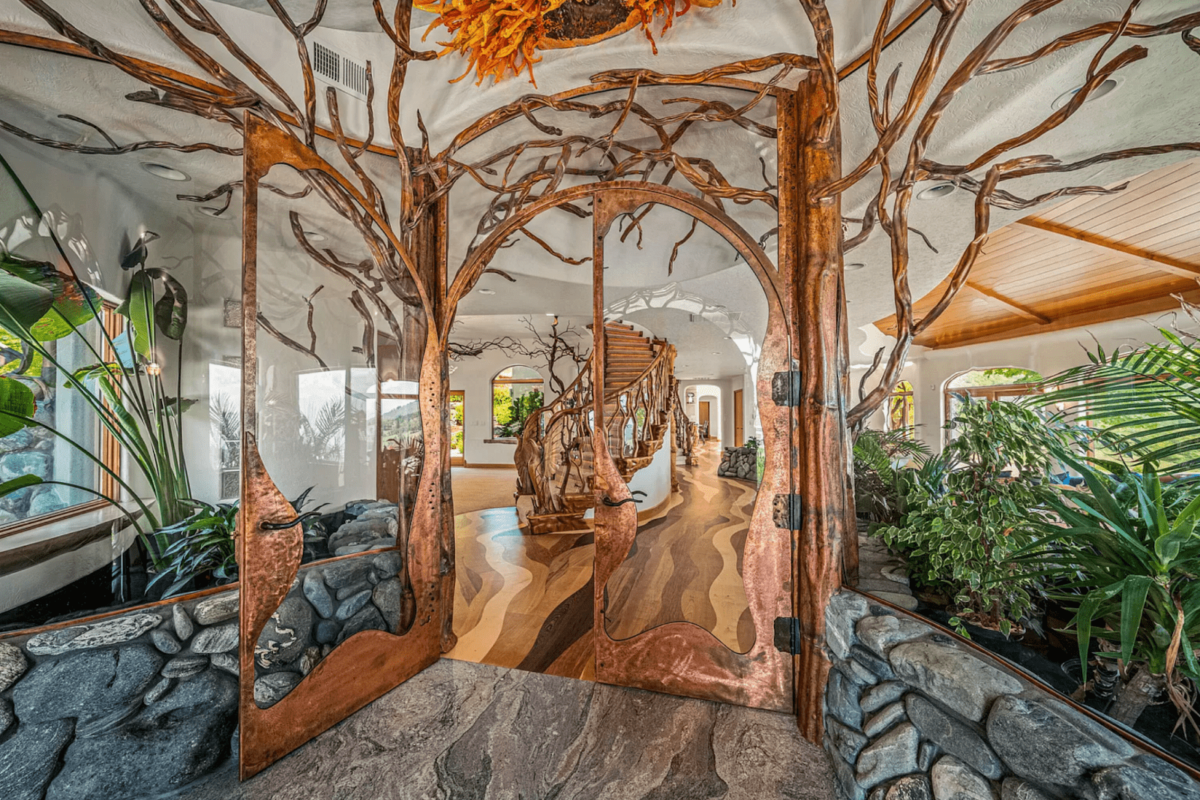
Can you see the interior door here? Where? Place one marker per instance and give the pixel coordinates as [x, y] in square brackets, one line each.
[339, 600]
[686, 601]
[705, 417]
[739, 418]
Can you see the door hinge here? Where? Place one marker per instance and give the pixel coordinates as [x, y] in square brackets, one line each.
[788, 511]
[786, 388]
[788, 635]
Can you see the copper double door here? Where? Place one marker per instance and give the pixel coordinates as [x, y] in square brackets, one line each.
[288, 387]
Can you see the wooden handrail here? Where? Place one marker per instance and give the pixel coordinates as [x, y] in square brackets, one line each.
[545, 469]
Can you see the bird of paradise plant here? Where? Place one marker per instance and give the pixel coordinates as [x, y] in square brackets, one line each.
[39, 304]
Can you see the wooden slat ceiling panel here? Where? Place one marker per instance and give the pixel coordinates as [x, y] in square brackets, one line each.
[1085, 261]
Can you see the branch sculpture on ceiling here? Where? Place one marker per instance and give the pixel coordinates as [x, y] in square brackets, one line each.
[503, 37]
[549, 349]
[896, 134]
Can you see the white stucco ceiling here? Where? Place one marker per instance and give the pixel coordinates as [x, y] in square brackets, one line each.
[1153, 103]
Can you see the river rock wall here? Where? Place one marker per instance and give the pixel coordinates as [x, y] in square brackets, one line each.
[140, 704]
[914, 714]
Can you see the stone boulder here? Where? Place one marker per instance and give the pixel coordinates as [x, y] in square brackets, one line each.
[288, 633]
[1050, 746]
[89, 685]
[958, 679]
[953, 736]
[12, 665]
[844, 610]
[98, 634]
[169, 744]
[880, 634]
[216, 609]
[270, 689]
[954, 780]
[890, 756]
[29, 758]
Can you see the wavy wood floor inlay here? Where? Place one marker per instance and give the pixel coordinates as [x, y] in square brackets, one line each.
[526, 601]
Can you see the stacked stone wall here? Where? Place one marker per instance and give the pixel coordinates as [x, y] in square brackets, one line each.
[140, 704]
[912, 713]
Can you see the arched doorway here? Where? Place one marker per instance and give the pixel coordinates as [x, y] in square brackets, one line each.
[677, 654]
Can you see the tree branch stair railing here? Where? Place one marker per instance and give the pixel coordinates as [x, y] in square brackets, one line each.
[554, 455]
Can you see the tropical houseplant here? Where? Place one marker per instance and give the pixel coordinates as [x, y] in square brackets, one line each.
[967, 510]
[1125, 556]
[42, 303]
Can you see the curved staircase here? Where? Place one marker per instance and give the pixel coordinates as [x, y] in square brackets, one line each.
[554, 454]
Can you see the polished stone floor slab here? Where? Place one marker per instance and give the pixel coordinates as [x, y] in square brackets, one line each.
[464, 731]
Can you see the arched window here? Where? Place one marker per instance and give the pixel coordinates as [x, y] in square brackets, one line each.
[1003, 383]
[516, 393]
[901, 412]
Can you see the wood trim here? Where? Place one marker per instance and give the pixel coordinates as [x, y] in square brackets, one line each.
[70, 623]
[1093, 316]
[32, 523]
[1012, 305]
[1109, 246]
[490, 466]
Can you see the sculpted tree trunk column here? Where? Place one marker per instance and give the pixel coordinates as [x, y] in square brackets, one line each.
[820, 309]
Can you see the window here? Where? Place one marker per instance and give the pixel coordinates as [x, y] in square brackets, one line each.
[516, 393]
[38, 451]
[399, 414]
[1006, 383]
[225, 427]
[901, 412]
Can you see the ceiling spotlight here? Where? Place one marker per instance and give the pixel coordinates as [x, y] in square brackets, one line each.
[164, 172]
[1100, 91]
[487, 291]
[854, 267]
[938, 190]
[313, 236]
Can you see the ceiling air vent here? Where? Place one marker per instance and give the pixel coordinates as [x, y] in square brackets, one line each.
[333, 68]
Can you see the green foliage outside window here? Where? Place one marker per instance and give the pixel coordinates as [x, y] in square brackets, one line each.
[509, 413]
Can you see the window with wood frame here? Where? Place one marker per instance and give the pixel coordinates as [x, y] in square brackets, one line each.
[517, 392]
[76, 481]
[989, 385]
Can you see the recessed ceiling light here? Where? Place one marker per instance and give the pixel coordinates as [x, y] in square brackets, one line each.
[487, 291]
[937, 191]
[854, 267]
[164, 172]
[313, 236]
[1100, 91]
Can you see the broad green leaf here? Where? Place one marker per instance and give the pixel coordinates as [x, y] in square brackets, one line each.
[174, 403]
[19, 483]
[138, 309]
[15, 399]
[22, 303]
[171, 310]
[72, 306]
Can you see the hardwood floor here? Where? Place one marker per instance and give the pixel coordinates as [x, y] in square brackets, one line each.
[526, 601]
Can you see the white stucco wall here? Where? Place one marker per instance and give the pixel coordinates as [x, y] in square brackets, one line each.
[1049, 353]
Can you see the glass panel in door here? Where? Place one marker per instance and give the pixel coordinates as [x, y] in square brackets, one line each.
[690, 583]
